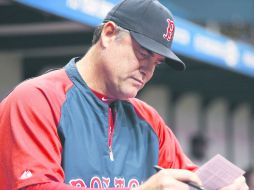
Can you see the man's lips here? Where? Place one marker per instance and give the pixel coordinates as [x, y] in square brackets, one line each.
[138, 81]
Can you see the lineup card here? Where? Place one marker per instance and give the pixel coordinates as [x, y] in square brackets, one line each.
[218, 172]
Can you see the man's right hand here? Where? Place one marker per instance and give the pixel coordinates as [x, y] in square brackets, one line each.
[167, 179]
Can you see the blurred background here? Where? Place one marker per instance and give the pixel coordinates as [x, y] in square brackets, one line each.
[210, 106]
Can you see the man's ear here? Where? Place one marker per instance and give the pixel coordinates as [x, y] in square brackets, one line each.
[108, 33]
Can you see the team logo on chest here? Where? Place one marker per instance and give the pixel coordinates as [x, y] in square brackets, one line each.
[170, 30]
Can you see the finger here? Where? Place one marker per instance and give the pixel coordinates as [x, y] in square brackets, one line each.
[164, 180]
[240, 180]
[182, 175]
[238, 184]
[169, 182]
[181, 185]
[241, 183]
[245, 187]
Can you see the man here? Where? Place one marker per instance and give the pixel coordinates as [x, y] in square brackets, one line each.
[81, 127]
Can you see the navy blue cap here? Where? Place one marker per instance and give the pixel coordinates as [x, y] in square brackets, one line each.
[151, 24]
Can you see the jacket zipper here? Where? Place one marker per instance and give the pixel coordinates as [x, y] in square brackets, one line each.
[111, 132]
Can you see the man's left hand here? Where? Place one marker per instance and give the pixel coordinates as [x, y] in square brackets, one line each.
[238, 184]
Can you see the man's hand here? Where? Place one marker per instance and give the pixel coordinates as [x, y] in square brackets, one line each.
[239, 184]
[168, 179]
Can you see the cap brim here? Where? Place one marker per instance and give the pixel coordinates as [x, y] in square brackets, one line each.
[171, 59]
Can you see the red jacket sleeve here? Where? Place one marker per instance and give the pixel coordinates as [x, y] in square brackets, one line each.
[30, 146]
[171, 154]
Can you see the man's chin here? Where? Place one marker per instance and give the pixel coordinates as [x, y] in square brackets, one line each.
[127, 96]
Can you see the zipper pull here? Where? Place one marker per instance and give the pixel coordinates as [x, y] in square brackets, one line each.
[111, 155]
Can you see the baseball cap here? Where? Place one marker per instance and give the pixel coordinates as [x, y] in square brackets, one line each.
[151, 24]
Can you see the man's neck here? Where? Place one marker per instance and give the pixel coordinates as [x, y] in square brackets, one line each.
[89, 67]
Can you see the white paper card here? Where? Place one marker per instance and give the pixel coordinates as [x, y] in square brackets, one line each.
[218, 172]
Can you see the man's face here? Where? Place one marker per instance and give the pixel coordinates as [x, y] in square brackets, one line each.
[128, 66]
